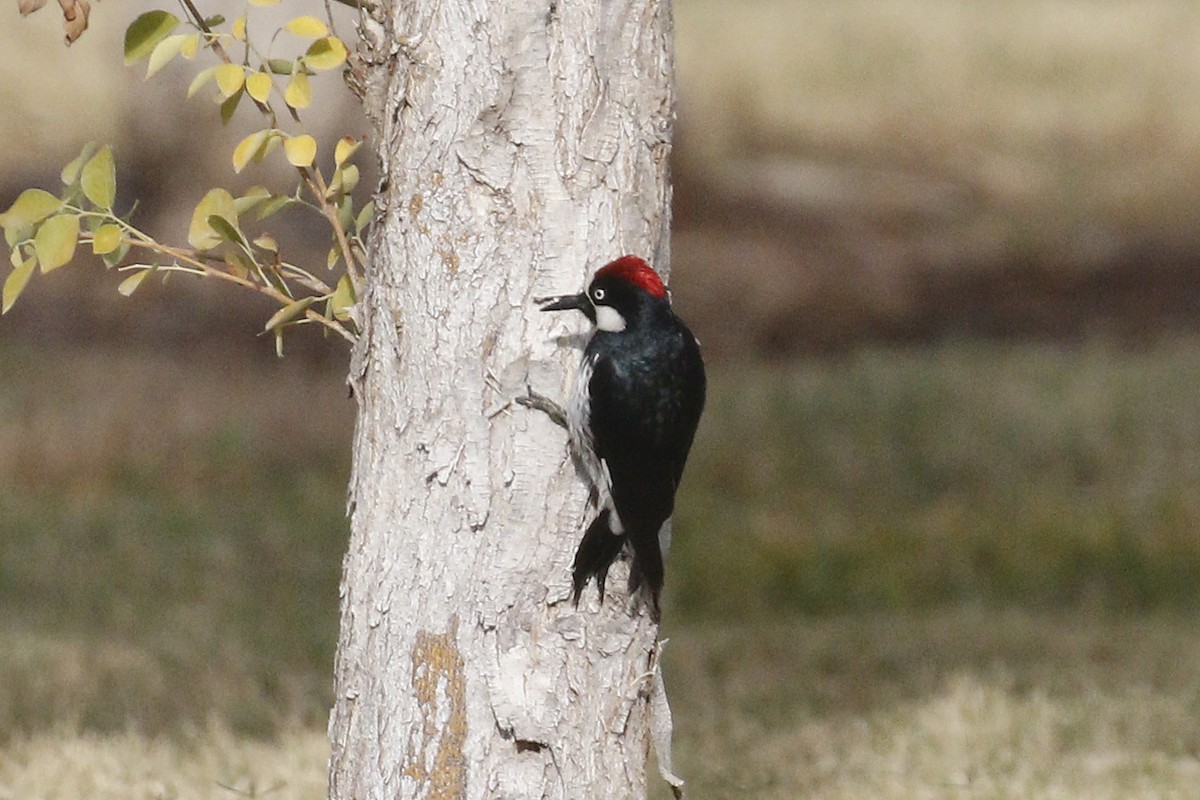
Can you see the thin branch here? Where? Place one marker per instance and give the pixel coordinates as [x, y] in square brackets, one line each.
[329, 16]
[214, 44]
[270, 291]
[316, 185]
[304, 276]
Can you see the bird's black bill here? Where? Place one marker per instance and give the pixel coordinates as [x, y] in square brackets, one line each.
[564, 302]
[568, 302]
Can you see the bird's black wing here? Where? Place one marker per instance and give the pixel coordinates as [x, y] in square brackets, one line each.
[644, 415]
[692, 391]
[630, 443]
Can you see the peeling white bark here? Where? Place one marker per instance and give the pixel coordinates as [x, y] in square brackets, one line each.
[523, 143]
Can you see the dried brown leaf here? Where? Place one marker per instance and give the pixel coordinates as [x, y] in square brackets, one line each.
[75, 17]
[29, 6]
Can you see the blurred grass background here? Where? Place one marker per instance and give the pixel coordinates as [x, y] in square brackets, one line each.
[173, 529]
[990, 545]
[1033, 474]
[938, 536]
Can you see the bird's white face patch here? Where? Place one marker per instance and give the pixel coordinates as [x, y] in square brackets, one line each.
[609, 319]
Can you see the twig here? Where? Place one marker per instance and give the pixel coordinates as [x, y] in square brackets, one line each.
[214, 44]
[329, 16]
[270, 291]
[316, 185]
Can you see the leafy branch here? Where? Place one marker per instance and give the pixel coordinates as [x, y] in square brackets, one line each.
[43, 230]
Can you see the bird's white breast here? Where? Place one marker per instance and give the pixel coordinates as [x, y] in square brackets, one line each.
[580, 429]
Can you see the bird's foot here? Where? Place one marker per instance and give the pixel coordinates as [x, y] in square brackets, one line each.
[544, 404]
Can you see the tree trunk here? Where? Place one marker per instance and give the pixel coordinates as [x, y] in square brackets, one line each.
[522, 143]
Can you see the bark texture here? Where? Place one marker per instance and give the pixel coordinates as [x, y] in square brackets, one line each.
[523, 143]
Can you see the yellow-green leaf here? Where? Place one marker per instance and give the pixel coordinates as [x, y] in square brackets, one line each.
[333, 257]
[288, 313]
[99, 178]
[130, 284]
[218, 202]
[70, 173]
[298, 93]
[54, 242]
[145, 32]
[346, 147]
[202, 77]
[272, 143]
[227, 230]
[335, 189]
[267, 242]
[300, 150]
[230, 105]
[349, 177]
[264, 2]
[239, 28]
[258, 86]
[191, 46]
[116, 256]
[307, 26]
[238, 263]
[106, 239]
[274, 204]
[252, 147]
[326, 53]
[15, 283]
[230, 78]
[343, 297]
[164, 51]
[345, 212]
[32, 206]
[365, 215]
[253, 198]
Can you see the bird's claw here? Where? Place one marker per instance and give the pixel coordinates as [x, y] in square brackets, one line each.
[544, 404]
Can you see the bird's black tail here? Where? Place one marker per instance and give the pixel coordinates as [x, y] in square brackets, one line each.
[647, 568]
[600, 547]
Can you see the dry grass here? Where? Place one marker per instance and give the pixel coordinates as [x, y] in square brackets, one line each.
[205, 764]
[955, 704]
[944, 706]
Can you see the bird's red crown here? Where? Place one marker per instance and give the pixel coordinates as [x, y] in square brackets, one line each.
[635, 271]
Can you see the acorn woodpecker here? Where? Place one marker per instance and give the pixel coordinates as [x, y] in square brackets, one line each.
[636, 401]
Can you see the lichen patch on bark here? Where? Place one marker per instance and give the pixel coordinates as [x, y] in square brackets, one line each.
[440, 686]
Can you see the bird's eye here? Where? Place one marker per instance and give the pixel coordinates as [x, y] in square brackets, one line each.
[597, 294]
